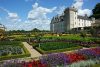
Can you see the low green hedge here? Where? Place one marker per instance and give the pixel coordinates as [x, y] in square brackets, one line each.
[59, 50]
[14, 56]
[26, 54]
[56, 45]
[13, 43]
[26, 51]
[96, 65]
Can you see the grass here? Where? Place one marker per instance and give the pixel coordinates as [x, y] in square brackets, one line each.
[96, 65]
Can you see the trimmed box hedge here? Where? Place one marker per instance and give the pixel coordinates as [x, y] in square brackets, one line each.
[58, 50]
[25, 54]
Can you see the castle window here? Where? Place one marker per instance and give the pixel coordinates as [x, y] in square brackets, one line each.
[75, 23]
[82, 24]
[62, 20]
[75, 12]
[79, 23]
[82, 20]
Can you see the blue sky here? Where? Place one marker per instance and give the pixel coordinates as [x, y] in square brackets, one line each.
[29, 14]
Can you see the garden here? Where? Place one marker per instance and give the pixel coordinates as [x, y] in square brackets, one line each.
[82, 58]
[53, 44]
[12, 49]
[49, 47]
[54, 50]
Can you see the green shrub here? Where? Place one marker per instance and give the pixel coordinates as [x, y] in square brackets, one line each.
[14, 43]
[56, 45]
[58, 50]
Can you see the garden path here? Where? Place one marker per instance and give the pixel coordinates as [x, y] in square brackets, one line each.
[34, 53]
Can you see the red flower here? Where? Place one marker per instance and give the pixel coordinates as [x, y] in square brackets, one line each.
[74, 57]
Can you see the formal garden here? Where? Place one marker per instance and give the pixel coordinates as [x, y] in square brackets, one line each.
[12, 49]
[56, 47]
[66, 50]
[82, 58]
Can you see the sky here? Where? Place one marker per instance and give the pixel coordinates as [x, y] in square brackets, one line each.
[30, 14]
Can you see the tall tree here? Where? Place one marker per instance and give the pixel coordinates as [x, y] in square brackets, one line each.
[1, 33]
[96, 11]
[35, 30]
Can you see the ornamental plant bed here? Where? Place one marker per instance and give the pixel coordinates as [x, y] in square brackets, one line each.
[73, 59]
[80, 43]
[51, 47]
[12, 49]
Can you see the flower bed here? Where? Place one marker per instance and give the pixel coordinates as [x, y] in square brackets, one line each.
[63, 59]
[12, 49]
[55, 44]
[75, 59]
[56, 47]
[91, 53]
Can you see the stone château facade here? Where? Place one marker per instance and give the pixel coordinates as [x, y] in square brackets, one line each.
[70, 20]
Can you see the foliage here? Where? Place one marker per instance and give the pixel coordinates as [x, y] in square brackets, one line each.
[53, 60]
[35, 30]
[96, 11]
[2, 34]
[70, 37]
[58, 50]
[73, 59]
[83, 34]
[56, 45]
[12, 49]
[38, 36]
[91, 53]
[83, 63]
[93, 32]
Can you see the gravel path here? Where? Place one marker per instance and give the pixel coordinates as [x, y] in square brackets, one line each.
[32, 51]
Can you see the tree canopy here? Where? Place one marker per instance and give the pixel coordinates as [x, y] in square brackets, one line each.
[96, 11]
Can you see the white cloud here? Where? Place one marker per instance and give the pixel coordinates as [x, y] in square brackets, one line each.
[38, 15]
[60, 10]
[13, 17]
[3, 9]
[39, 12]
[37, 18]
[78, 4]
[84, 11]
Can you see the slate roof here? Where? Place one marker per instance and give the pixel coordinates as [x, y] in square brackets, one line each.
[84, 17]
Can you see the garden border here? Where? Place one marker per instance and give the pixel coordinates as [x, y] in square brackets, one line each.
[26, 54]
[58, 50]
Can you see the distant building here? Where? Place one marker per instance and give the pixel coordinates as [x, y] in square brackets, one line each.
[2, 31]
[70, 20]
[97, 23]
[2, 27]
